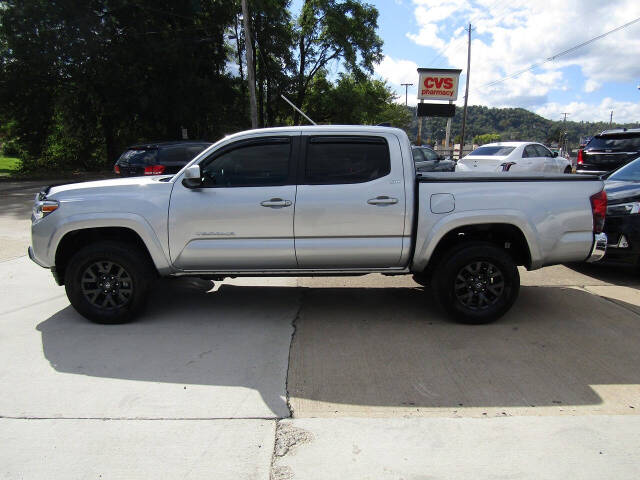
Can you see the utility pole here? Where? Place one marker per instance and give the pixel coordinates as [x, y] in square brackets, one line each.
[565, 146]
[466, 93]
[253, 108]
[611, 119]
[406, 93]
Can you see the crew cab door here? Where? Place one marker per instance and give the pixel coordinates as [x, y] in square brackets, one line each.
[350, 204]
[551, 164]
[242, 216]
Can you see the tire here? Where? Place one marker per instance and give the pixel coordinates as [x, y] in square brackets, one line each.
[119, 268]
[462, 283]
[568, 170]
[421, 279]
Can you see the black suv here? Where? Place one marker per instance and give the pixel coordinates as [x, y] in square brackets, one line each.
[609, 150]
[157, 158]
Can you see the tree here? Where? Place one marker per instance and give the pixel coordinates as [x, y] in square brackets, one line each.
[329, 31]
[486, 138]
[352, 101]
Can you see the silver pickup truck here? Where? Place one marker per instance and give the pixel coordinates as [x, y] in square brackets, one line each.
[305, 201]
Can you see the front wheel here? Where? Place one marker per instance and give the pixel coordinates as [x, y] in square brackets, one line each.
[567, 170]
[476, 283]
[108, 282]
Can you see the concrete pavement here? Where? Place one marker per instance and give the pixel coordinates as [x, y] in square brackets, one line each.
[540, 448]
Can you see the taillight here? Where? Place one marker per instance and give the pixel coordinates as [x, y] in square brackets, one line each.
[116, 169]
[580, 160]
[599, 210]
[154, 170]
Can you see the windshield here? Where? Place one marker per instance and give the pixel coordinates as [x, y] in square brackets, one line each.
[139, 157]
[629, 173]
[493, 151]
[619, 143]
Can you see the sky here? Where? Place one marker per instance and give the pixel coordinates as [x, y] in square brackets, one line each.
[511, 35]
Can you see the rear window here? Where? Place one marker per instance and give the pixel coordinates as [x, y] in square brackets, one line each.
[139, 157]
[336, 160]
[628, 173]
[615, 142]
[493, 151]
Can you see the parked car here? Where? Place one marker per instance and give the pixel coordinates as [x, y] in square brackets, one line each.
[427, 159]
[609, 151]
[622, 224]
[157, 158]
[517, 157]
[304, 201]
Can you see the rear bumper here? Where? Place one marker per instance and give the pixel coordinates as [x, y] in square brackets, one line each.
[592, 172]
[599, 248]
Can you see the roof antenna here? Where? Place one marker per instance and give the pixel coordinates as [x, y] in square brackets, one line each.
[297, 109]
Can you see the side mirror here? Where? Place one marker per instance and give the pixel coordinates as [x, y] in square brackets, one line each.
[192, 177]
[555, 154]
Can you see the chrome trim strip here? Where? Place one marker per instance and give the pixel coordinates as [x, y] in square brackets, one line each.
[599, 248]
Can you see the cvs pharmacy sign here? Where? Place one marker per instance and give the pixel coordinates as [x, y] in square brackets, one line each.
[438, 84]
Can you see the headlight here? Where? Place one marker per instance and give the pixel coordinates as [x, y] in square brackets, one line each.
[630, 208]
[42, 208]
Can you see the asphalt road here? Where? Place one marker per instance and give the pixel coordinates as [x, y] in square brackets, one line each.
[316, 378]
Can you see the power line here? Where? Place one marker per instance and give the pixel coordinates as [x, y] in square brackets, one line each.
[560, 54]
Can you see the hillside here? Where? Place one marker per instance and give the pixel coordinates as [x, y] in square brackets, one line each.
[511, 124]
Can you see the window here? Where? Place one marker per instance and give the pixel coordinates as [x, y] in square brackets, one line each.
[260, 163]
[335, 160]
[542, 151]
[615, 142]
[429, 154]
[137, 156]
[529, 152]
[173, 155]
[493, 151]
[417, 155]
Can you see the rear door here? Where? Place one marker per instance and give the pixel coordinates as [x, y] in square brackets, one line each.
[242, 217]
[544, 154]
[531, 159]
[350, 203]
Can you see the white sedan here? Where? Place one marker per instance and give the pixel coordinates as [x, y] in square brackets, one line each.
[519, 157]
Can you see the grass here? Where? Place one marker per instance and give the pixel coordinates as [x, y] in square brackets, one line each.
[8, 165]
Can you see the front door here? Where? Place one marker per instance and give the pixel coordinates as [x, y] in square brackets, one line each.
[242, 217]
[350, 204]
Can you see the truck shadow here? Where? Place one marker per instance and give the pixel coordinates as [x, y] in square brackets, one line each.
[360, 346]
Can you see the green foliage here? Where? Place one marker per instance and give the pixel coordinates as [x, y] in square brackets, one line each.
[8, 165]
[486, 138]
[352, 101]
[335, 31]
[80, 81]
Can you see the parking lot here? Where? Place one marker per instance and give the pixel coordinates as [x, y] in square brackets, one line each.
[316, 378]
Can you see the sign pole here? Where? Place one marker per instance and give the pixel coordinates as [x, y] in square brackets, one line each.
[419, 138]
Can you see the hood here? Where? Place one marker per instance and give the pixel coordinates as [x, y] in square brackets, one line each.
[621, 192]
[122, 184]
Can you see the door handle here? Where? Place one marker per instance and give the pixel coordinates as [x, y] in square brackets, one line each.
[276, 203]
[382, 200]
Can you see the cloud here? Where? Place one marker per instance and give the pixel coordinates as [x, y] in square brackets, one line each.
[623, 112]
[396, 72]
[511, 36]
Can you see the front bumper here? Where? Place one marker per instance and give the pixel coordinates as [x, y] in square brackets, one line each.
[599, 248]
[34, 259]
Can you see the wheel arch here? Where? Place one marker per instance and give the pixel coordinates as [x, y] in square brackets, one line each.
[506, 235]
[74, 240]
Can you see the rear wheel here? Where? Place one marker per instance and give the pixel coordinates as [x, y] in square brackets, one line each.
[476, 283]
[108, 282]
